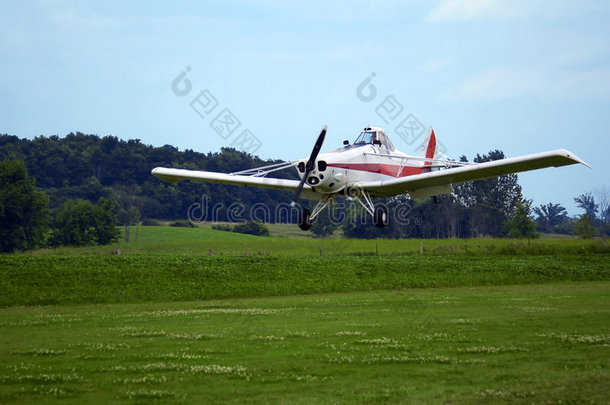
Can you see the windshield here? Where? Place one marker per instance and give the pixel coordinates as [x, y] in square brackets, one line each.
[368, 137]
[364, 138]
[385, 141]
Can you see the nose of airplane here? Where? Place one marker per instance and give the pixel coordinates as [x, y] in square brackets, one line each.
[313, 180]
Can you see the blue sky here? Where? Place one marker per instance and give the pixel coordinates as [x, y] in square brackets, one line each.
[520, 76]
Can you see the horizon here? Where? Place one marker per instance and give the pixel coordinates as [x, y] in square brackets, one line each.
[571, 216]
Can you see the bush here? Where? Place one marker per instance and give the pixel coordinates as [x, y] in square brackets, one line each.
[222, 227]
[519, 224]
[150, 222]
[183, 223]
[583, 227]
[251, 228]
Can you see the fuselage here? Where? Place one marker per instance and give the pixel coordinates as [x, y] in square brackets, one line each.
[337, 170]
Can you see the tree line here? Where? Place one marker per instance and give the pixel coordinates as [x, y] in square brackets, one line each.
[93, 184]
[90, 167]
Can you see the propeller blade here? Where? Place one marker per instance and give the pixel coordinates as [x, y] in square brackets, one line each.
[310, 165]
[298, 192]
[316, 149]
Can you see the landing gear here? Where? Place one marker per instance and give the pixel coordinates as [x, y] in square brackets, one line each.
[304, 219]
[379, 213]
[380, 217]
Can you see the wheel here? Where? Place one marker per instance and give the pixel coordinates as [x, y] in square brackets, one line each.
[381, 217]
[305, 219]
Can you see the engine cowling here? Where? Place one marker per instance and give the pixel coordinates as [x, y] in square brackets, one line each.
[322, 178]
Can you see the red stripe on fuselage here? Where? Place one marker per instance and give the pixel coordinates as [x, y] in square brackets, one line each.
[381, 168]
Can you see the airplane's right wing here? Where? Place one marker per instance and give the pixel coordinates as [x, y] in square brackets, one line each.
[439, 182]
[175, 175]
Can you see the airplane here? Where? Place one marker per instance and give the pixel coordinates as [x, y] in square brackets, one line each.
[371, 167]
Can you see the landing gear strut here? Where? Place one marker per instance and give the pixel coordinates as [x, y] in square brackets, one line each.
[379, 213]
[306, 217]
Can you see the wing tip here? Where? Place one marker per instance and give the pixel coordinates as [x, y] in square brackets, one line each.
[573, 157]
[162, 173]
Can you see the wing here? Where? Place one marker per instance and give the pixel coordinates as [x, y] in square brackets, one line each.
[176, 175]
[439, 182]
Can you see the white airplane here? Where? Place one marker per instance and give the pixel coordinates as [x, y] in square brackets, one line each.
[371, 167]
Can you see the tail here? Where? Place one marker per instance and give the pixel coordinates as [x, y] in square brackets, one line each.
[428, 149]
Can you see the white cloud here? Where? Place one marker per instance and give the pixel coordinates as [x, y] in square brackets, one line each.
[462, 10]
[468, 10]
[498, 84]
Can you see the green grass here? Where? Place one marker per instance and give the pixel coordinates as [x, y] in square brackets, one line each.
[501, 344]
[201, 316]
[197, 241]
[81, 279]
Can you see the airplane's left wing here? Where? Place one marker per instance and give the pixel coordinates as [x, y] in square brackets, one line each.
[439, 182]
[176, 175]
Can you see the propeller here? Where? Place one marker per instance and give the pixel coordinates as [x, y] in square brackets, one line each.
[311, 164]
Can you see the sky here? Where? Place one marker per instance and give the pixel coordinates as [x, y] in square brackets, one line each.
[522, 76]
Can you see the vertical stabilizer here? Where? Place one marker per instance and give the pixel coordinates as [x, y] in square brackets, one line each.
[429, 149]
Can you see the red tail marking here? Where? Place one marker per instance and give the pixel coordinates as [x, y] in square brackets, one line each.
[431, 148]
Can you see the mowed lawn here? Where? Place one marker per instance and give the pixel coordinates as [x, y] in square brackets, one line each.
[539, 343]
[194, 315]
[206, 241]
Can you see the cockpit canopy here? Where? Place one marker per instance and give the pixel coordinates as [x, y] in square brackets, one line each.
[372, 134]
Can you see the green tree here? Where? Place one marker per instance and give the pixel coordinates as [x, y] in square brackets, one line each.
[490, 201]
[583, 227]
[325, 223]
[23, 214]
[81, 223]
[105, 220]
[89, 167]
[72, 225]
[519, 224]
[587, 203]
[357, 223]
[550, 216]
[129, 213]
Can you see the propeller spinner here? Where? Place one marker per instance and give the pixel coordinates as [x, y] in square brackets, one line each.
[311, 163]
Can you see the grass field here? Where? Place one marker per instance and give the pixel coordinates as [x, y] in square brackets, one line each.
[201, 316]
[67, 279]
[526, 344]
[198, 241]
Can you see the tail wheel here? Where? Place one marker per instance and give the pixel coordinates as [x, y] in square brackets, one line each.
[381, 217]
[305, 219]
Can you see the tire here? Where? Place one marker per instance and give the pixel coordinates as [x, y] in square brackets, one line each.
[305, 219]
[381, 217]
